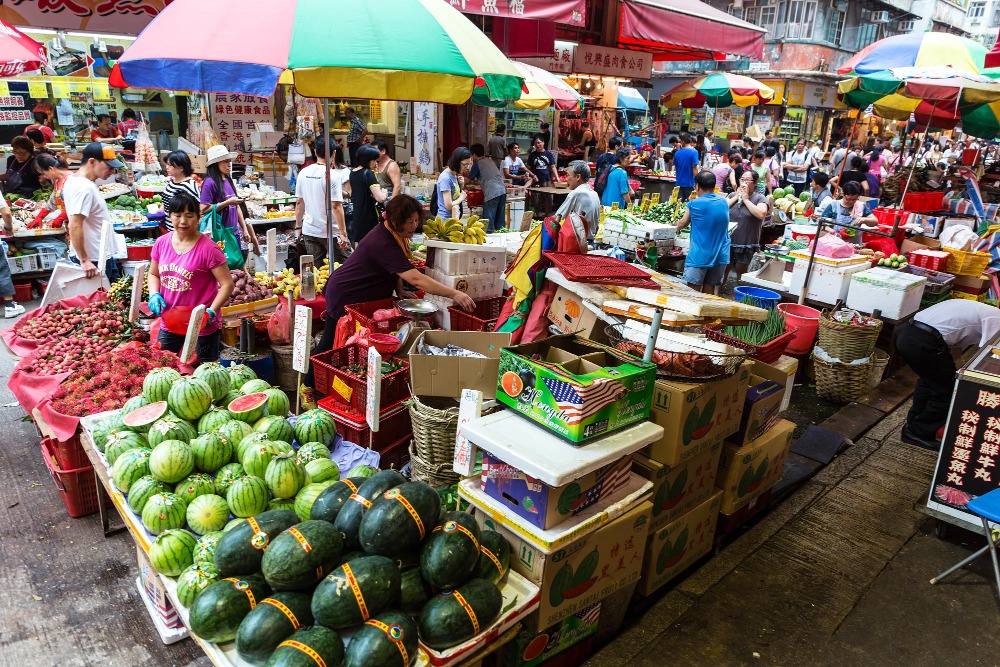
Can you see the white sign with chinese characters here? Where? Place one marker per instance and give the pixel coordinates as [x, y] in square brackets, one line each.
[561, 61]
[234, 117]
[470, 407]
[606, 61]
[18, 117]
[302, 339]
[424, 135]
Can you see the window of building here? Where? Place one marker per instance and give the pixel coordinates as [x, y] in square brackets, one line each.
[867, 33]
[977, 9]
[835, 26]
[799, 18]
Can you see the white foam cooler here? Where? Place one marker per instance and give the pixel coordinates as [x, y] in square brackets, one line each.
[894, 293]
[829, 284]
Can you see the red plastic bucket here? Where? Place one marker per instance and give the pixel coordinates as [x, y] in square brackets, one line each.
[805, 321]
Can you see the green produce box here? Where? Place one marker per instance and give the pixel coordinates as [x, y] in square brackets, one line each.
[530, 648]
[575, 387]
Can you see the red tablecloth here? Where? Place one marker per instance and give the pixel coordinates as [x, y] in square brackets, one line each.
[23, 347]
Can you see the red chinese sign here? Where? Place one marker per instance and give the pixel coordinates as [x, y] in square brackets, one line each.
[606, 61]
[126, 17]
[572, 12]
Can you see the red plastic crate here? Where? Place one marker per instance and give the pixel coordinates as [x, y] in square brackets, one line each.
[139, 253]
[887, 216]
[393, 424]
[482, 318]
[76, 487]
[396, 455]
[22, 292]
[350, 389]
[362, 314]
[923, 202]
[600, 269]
[69, 454]
[768, 353]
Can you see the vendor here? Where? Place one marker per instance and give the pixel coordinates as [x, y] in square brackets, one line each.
[187, 269]
[513, 167]
[20, 177]
[747, 208]
[850, 210]
[450, 185]
[927, 344]
[105, 132]
[708, 216]
[378, 267]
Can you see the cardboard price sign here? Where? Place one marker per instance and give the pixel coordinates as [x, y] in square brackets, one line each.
[302, 339]
[470, 407]
[137, 283]
[194, 328]
[374, 399]
[272, 251]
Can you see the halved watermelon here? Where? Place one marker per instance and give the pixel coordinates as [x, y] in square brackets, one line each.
[249, 408]
[140, 419]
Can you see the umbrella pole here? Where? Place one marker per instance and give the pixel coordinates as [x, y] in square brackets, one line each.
[847, 150]
[329, 205]
[913, 164]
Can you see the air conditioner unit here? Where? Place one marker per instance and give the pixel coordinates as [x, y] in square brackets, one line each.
[880, 17]
[904, 26]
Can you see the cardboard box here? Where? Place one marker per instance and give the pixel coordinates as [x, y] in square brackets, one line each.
[546, 506]
[432, 375]
[695, 416]
[972, 285]
[678, 489]
[571, 315]
[790, 366]
[575, 387]
[919, 242]
[729, 523]
[748, 471]
[199, 163]
[586, 570]
[762, 403]
[531, 648]
[673, 548]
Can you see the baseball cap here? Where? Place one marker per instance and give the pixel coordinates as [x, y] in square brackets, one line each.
[103, 152]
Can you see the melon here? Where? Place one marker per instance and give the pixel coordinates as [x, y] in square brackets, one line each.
[211, 452]
[170, 428]
[134, 403]
[316, 426]
[141, 419]
[217, 378]
[284, 476]
[207, 514]
[239, 375]
[228, 474]
[254, 386]
[172, 552]
[277, 428]
[323, 470]
[120, 442]
[277, 402]
[163, 511]
[249, 408]
[234, 431]
[247, 496]
[171, 461]
[213, 420]
[194, 485]
[130, 467]
[312, 451]
[189, 398]
[157, 383]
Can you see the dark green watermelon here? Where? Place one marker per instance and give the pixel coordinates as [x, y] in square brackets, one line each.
[298, 650]
[356, 591]
[413, 591]
[399, 519]
[494, 556]
[388, 640]
[446, 621]
[241, 549]
[271, 622]
[328, 503]
[301, 556]
[349, 518]
[450, 556]
[219, 609]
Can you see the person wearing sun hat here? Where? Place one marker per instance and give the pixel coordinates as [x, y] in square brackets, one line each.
[87, 211]
[218, 189]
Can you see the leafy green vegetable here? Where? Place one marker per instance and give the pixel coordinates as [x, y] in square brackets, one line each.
[759, 333]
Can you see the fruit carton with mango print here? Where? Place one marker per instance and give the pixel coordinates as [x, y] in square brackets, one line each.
[748, 471]
[575, 387]
[673, 548]
[678, 489]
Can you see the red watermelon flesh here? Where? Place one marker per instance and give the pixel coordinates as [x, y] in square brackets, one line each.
[143, 418]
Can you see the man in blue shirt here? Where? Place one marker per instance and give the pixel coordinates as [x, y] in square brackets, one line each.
[708, 215]
[617, 189]
[606, 160]
[686, 166]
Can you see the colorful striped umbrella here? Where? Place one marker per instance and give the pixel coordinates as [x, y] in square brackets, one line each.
[419, 50]
[719, 89]
[544, 89]
[918, 49]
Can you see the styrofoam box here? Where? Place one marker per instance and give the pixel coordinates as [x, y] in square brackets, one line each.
[477, 285]
[451, 262]
[829, 284]
[895, 294]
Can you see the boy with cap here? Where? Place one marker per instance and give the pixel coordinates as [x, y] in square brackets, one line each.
[87, 210]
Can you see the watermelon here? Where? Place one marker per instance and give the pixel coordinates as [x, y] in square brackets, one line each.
[331, 500]
[218, 611]
[239, 375]
[228, 474]
[230, 397]
[450, 555]
[171, 428]
[122, 441]
[301, 556]
[356, 591]
[277, 402]
[258, 456]
[312, 451]
[234, 431]
[248, 408]
[140, 419]
[276, 428]
[171, 461]
[362, 471]
[163, 511]
[172, 551]
[190, 398]
[210, 452]
[246, 443]
[192, 581]
[302, 648]
[105, 429]
[306, 496]
[323, 470]
[233, 523]
[156, 385]
[271, 622]
[130, 466]
[134, 403]
[449, 619]
[383, 641]
[215, 376]
[316, 425]
[399, 519]
[241, 549]
[413, 591]
[247, 496]
[213, 420]
[284, 476]
[282, 504]
[254, 386]
[494, 558]
[142, 489]
[207, 513]
[349, 518]
[194, 485]
[204, 551]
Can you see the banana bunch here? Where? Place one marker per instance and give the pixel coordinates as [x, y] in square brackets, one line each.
[323, 274]
[265, 279]
[288, 282]
[475, 231]
[452, 229]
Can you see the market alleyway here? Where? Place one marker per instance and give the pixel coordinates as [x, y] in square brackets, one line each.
[837, 574]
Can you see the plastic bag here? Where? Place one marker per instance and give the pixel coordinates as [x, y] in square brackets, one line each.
[345, 327]
[958, 238]
[278, 324]
[831, 245]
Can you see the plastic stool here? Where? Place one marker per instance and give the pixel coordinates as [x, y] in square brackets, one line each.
[987, 508]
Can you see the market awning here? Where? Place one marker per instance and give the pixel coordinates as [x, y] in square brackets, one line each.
[630, 98]
[570, 12]
[687, 30]
[993, 57]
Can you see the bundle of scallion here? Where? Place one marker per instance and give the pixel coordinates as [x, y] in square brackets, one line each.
[759, 333]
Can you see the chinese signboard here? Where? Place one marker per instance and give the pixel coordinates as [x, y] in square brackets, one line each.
[424, 135]
[561, 61]
[124, 17]
[572, 12]
[234, 117]
[606, 61]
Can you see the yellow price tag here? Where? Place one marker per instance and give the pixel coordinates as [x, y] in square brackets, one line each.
[39, 232]
[38, 90]
[342, 389]
[654, 199]
[60, 89]
[102, 91]
[79, 87]
[4, 89]
[614, 206]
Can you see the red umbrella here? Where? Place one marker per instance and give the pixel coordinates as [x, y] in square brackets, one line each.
[18, 52]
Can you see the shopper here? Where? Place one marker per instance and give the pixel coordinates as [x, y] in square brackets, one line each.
[219, 190]
[850, 210]
[616, 189]
[607, 160]
[128, 123]
[496, 149]
[450, 193]
[928, 344]
[88, 212]
[546, 135]
[494, 190]
[708, 256]
[54, 170]
[773, 164]
[797, 167]
[377, 268]
[311, 206]
[820, 191]
[387, 171]
[187, 269]
[38, 142]
[513, 166]
[366, 194]
[48, 135]
[105, 132]
[181, 175]
[355, 135]
[874, 186]
[758, 167]
[11, 308]
[20, 177]
[543, 165]
[852, 175]
[837, 159]
[726, 178]
[581, 200]
[747, 208]
[686, 166]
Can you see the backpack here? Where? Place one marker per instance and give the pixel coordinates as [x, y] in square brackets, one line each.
[601, 182]
[434, 202]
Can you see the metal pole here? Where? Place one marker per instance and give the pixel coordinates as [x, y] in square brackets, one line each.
[654, 332]
[326, 194]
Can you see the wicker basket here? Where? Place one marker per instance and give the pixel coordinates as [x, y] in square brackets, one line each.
[841, 382]
[847, 342]
[880, 360]
[432, 452]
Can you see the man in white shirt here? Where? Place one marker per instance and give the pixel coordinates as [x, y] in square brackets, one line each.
[928, 344]
[87, 210]
[310, 209]
[582, 199]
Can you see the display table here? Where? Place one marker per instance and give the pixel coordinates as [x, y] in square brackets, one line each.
[662, 185]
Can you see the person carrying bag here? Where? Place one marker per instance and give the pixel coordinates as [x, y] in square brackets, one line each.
[224, 237]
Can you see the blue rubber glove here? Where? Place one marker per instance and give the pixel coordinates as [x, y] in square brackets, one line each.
[156, 303]
[211, 314]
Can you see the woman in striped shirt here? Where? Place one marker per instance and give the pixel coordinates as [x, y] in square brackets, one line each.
[180, 171]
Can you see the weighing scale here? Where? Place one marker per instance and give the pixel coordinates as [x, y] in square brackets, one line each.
[418, 310]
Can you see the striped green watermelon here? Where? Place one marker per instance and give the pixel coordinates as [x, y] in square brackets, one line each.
[311, 451]
[190, 398]
[142, 489]
[277, 402]
[211, 452]
[277, 428]
[316, 426]
[214, 419]
[233, 522]
[122, 441]
[140, 419]
[363, 471]
[105, 428]
[250, 441]
[208, 513]
[171, 461]
[323, 470]
[239, 375]
[130, 466]
[172, 552]
[254, 386]
[284, 476]
[248, 496]
[257, 457]
[231, 396]
[234, 431]
[194, 485]
[306, 496]
[192, 581]
[171, 428]
[163, 511]
[249, 408]
[216, 376]
[204, 551]
[284, 447]
[228, 474]
[282, 504]
[157, 383]
[133, 403]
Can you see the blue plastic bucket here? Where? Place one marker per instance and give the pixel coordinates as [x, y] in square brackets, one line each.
[757, 296]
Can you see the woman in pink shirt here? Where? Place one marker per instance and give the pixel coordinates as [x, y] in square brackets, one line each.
[187, 269]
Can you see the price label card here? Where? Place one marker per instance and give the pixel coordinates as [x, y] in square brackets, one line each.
[272, 251]
[4, 89]
[374, 398]
[302, 341]
[38, 89]
[470, 407]
[60, 89]
[139, 281]
[342, 388]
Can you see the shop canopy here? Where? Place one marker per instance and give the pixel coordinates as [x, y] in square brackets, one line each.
[718, 89]
[630, 98]
[543, 90]
[687, 30]
[993, 57]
